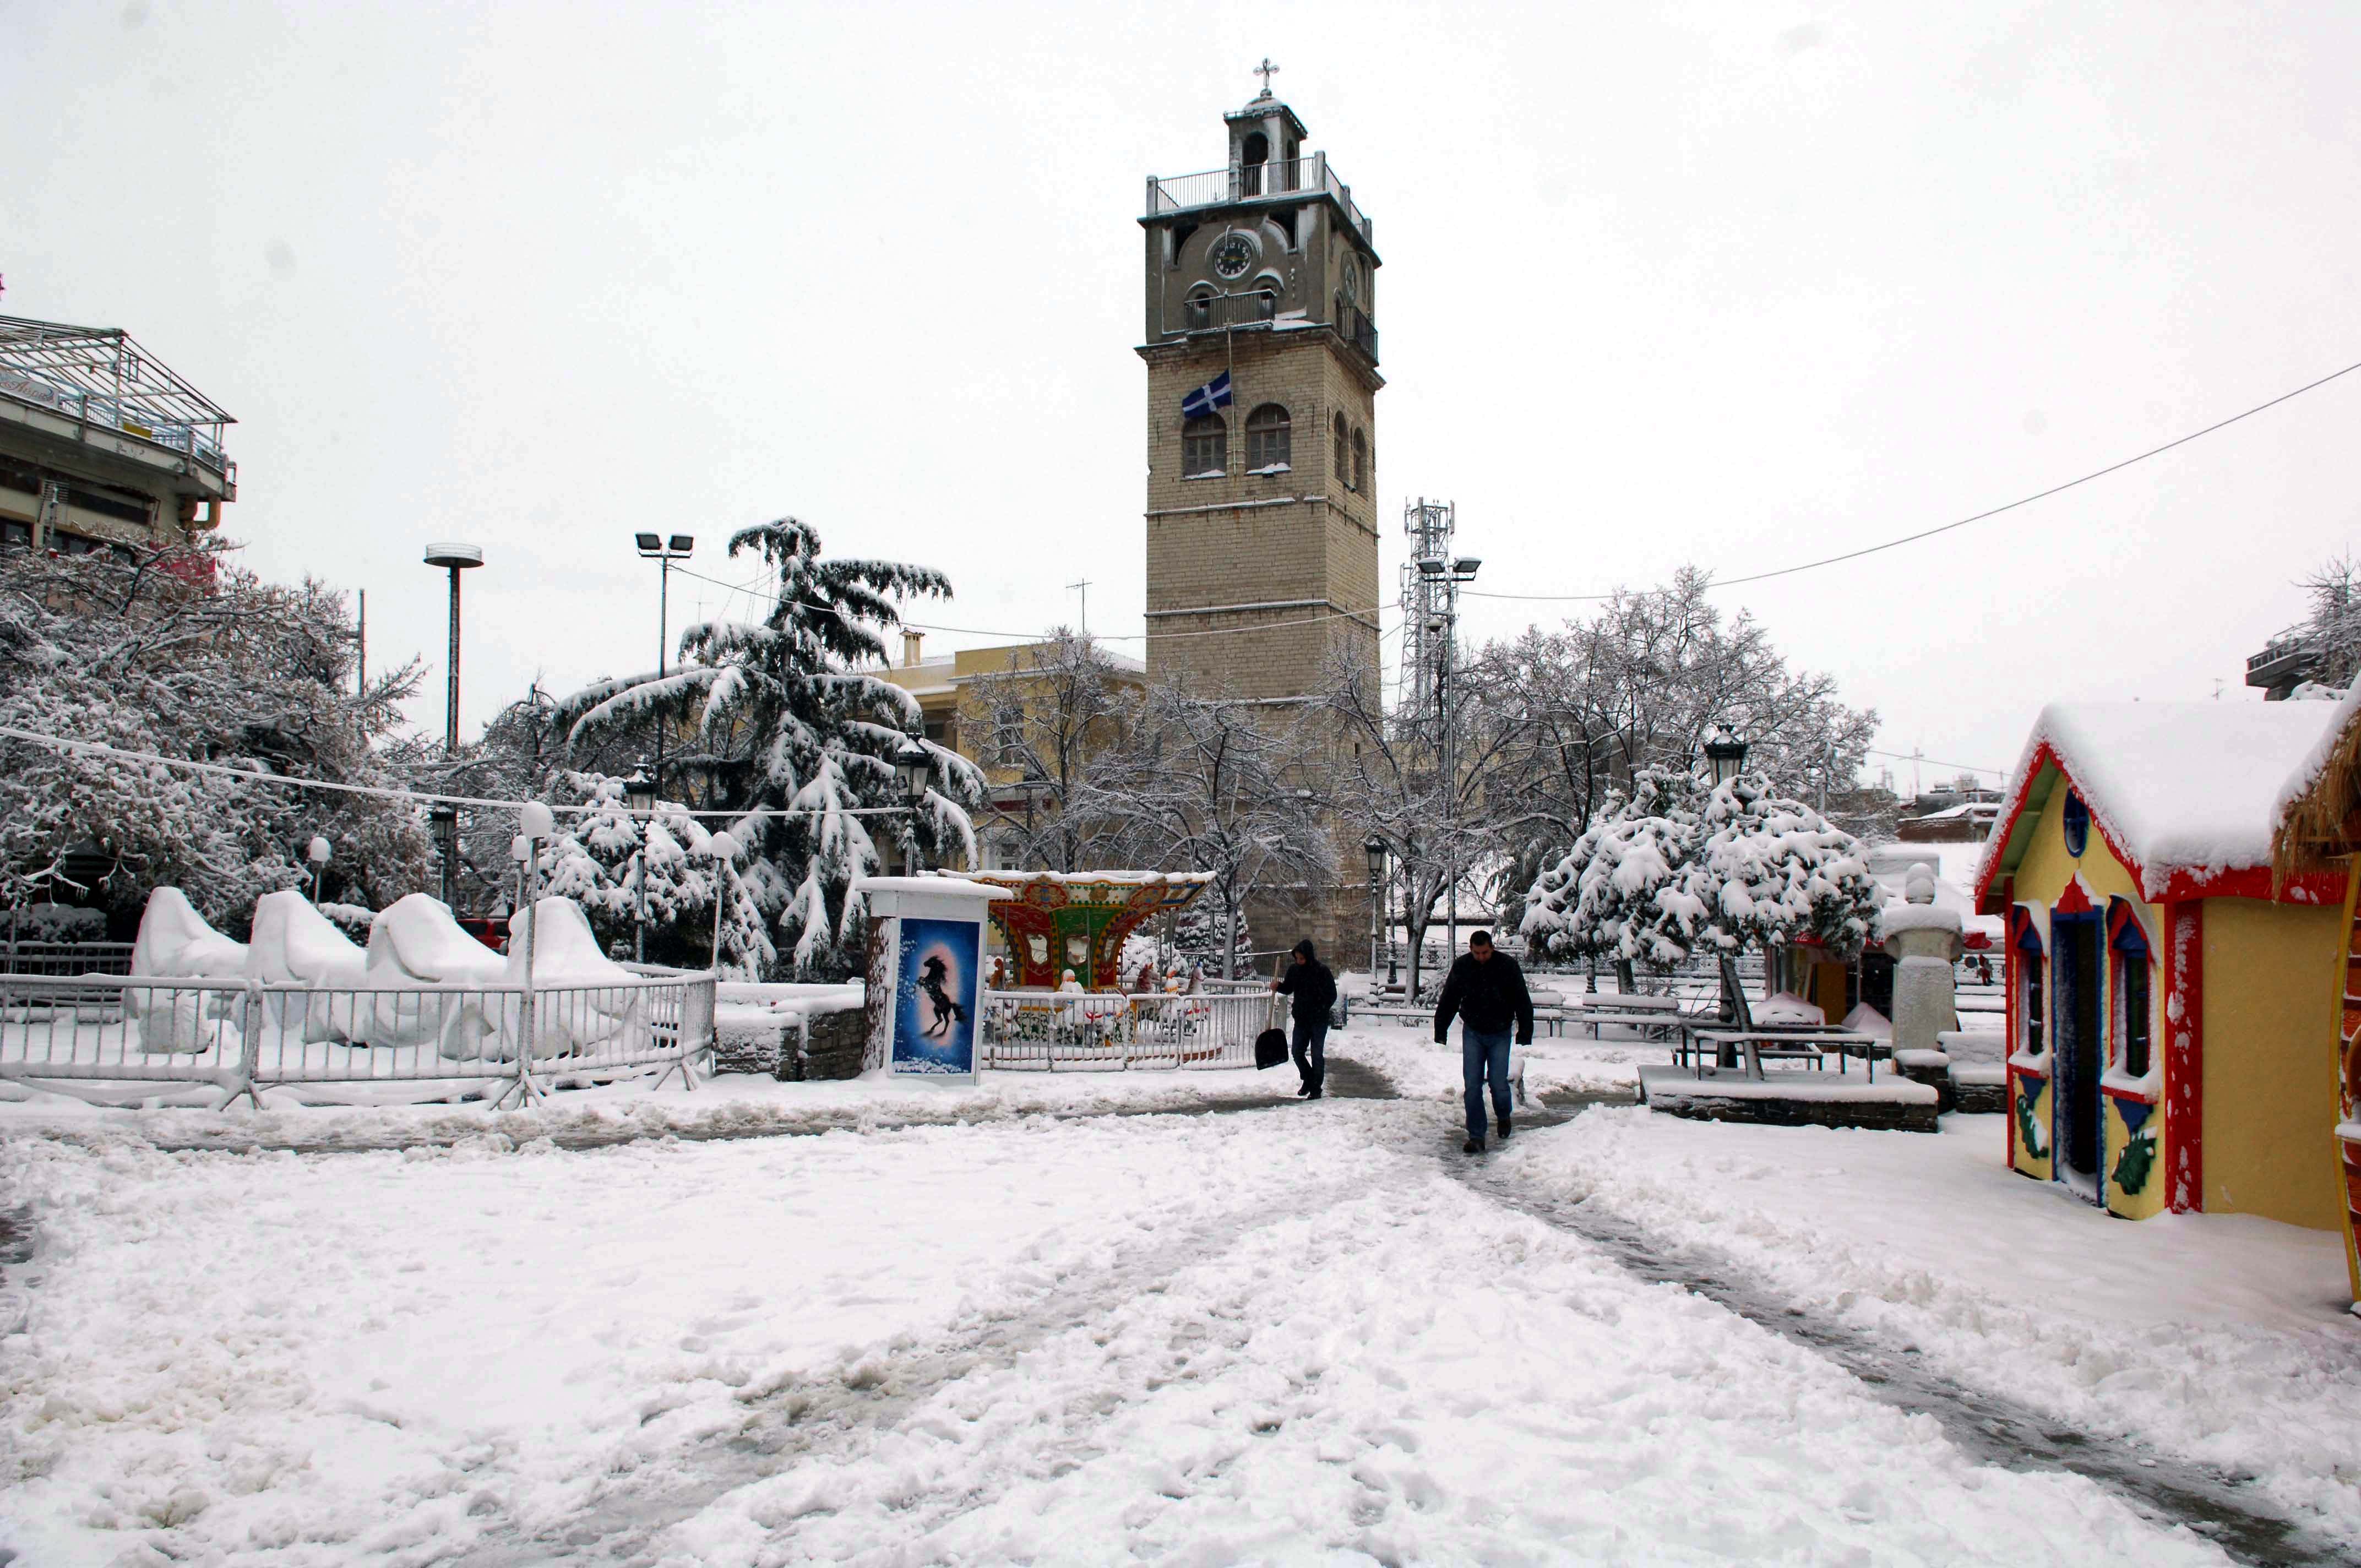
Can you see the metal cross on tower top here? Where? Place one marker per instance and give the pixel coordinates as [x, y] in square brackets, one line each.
[1265, 70]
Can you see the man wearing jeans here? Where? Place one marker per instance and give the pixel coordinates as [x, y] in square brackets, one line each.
[1486, 990]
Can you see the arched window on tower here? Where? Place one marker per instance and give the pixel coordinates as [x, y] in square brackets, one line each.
[1252, 153]
[1204, 447]
[1199, 312]
[1360, 461]
[1342, 464]
[1268, 439]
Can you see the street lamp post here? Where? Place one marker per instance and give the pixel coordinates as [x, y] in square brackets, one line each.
[1463, 572]
[724, 848]
[1725, 752]
[317, 853]
[639, 794]
[453, 558]
[664, 552]
[1375, 848]
[914, 770]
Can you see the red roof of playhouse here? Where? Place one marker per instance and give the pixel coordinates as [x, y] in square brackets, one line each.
[2185, 794]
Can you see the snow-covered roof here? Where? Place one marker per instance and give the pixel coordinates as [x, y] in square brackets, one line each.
[2306, 772]
[2175, 787]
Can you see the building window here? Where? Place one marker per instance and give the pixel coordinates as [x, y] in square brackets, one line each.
[2076, 820]
[15, 535]
[1268, 439]
[1344, 452]
[2030, 1015]
[1204, 447]
[1199, 313]
[1360, 461]
[2134, 992]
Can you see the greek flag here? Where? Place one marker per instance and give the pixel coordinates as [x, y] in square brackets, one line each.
[1214, 394]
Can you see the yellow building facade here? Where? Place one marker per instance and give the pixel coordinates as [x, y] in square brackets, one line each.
[2167, 995]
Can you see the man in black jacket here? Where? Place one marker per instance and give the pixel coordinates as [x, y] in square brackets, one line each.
[1312, 991]
[1486, 990]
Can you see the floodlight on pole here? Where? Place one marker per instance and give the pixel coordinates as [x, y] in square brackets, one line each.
[454, 558]
[663, 552]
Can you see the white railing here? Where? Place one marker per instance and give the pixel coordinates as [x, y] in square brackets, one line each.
[242, 1034]
[1115, 1030]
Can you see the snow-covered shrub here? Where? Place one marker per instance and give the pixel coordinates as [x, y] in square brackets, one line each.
[1772, 871]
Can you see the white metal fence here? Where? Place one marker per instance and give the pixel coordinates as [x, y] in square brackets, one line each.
[1114, 1031]
[242, 1034]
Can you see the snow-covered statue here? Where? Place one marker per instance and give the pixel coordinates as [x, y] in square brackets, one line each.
[582, 1000]
[1925, 942]
[175, 942]
[294, 944]
[415, 943]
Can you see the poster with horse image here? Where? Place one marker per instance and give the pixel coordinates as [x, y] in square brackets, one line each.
[935, 1005]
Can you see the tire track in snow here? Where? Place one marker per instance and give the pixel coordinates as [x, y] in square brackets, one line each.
[1989, 1428]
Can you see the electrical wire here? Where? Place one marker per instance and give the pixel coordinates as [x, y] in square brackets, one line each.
[1962, 522]
[1035, 636]
[244, 775]
[1906, 757]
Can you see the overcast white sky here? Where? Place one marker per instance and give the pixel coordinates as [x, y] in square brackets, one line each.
[1734, 285]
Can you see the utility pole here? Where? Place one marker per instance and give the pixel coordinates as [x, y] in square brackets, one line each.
[1084, 585]
[454, 559]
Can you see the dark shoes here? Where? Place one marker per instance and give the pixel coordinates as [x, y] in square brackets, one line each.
[1504, 1129]
[1473, 1146]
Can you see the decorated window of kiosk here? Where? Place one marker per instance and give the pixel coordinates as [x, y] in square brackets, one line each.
[2031, 1004]
[2131, 991]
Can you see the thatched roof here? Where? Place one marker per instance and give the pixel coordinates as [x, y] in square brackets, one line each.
[2318, 819]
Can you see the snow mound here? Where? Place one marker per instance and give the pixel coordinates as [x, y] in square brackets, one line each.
[1787, 1007]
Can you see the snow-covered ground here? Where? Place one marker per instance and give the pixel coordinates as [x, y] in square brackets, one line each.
[2218, 1338]
[1278, 1336]
[731, 1105]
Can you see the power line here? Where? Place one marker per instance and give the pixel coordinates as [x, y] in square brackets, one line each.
[1979, 517]
[1035, 636]
[244, 775]
[1907, 757]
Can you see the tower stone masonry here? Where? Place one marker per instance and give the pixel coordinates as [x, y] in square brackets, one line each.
[1261, 512]
[1260, 278]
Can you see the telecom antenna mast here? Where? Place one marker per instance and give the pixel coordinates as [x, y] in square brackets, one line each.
[1428, 595]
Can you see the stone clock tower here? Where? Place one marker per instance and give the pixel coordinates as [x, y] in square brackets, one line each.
[1262, 377]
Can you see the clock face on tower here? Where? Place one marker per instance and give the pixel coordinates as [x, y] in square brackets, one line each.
[1233, 254]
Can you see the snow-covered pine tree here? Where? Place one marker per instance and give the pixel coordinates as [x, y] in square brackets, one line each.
[791, 730]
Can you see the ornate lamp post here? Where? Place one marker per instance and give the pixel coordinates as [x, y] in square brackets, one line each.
[639, 794]
[914, 770]
[1375, 848]
[1726, 753]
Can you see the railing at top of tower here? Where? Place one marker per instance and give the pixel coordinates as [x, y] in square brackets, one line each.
[1257, 182]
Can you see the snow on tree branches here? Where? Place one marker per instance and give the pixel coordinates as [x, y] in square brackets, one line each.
[1772, 870]
[1623, 890]
[780, 716]
[210, 663]
[1672, 871]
